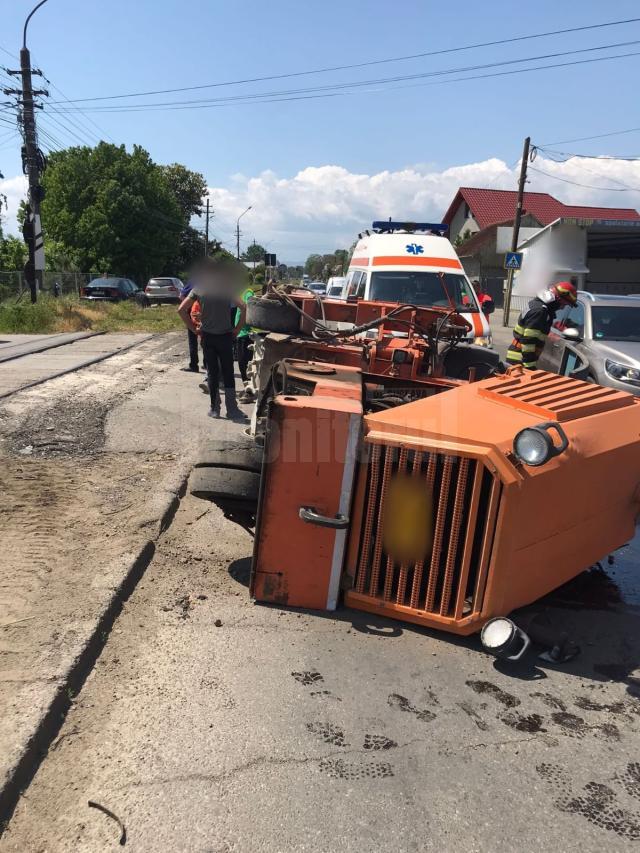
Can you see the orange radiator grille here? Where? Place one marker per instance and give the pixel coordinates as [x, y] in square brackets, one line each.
[448, 583]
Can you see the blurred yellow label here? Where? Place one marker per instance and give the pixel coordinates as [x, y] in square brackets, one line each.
[407, 525]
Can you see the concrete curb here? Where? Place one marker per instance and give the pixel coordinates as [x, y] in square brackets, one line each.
[70, 682]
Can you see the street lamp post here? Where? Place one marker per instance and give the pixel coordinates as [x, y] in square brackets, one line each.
[238, 231]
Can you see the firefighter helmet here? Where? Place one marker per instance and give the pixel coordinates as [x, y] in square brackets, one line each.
[565, 292]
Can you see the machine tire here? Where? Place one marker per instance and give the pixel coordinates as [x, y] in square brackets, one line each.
[230, 485]
[272, 316]
[242, 458]
[243, 442]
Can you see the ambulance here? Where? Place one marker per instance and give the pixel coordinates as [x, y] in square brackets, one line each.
[415, 264]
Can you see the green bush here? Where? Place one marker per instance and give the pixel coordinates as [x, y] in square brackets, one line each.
[69, 314]
[23, 317]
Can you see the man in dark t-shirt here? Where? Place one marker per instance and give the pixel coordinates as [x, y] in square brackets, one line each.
[216, 286]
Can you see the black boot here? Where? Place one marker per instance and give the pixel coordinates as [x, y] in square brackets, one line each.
[214, 411]
[233, 412]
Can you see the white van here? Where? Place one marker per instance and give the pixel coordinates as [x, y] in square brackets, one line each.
[414, 264]
[335, 286]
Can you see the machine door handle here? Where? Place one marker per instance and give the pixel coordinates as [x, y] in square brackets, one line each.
[309, 514]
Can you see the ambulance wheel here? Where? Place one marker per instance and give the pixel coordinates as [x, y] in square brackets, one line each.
[271, 315]
[228, 487]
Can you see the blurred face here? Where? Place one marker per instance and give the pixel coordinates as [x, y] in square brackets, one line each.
[218, 280]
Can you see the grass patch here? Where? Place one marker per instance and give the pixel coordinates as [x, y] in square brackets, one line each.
[69, 314]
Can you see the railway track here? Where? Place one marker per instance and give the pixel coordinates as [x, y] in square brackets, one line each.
[25, 364]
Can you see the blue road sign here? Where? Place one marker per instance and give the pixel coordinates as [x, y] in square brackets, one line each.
[513, 260]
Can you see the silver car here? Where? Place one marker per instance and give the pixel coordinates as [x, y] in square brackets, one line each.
[598, 339]
[164, 289]
[318, 287]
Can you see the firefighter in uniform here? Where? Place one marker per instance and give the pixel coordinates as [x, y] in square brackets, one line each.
[532, 328]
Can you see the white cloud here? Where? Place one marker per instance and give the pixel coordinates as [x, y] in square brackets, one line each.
[15, 189]
[323, 207]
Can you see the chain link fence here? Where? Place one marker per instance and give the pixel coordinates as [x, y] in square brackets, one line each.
[13, 284]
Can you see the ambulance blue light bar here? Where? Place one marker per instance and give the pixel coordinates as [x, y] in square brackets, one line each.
[388, 227]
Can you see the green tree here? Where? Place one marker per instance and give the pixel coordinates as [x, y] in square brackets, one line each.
[59, 258]
[323, 266]
[341, 260]
[13, 253]
[115, 210]
[190, 191]
[255, 252]
[313, 265]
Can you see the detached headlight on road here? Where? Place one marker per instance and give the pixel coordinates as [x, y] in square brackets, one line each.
[534, 445]
[622, 372]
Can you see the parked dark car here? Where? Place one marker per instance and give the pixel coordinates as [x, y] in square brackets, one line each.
[112, 290]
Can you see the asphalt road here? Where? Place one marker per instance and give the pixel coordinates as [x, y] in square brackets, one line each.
[214, 724]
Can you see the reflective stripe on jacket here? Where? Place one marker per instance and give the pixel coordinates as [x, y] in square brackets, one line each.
[530, 334]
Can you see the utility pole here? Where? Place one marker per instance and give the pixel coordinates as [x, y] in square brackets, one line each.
[516, 228]
[33, 164]
[206, 232]
[238, 231]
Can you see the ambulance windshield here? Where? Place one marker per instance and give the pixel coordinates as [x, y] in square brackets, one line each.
[443, 289]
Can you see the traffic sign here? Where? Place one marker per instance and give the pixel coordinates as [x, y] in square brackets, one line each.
[513, 260]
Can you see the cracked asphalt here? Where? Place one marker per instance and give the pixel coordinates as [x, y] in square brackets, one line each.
[214, 724]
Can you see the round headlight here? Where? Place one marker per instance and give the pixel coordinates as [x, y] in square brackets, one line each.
[504, 639]
[533, 446]
[497, 633]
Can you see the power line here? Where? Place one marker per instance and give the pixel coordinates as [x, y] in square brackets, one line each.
[565, 155]
[369, 63]
[597, 136]
[585, 186]
[261, 99]
[583, 168]
[72, 127]
[78, 111]
[66, 128]
[373, 82]
[8, 52]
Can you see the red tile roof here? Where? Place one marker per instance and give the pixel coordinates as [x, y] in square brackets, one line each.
[489, 207]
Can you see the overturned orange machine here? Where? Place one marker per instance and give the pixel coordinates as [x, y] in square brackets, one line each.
[467, 503]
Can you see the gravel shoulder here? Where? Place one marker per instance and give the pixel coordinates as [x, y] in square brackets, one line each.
[80, 515]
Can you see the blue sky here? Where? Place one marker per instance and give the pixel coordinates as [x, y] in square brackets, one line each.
[119, 46]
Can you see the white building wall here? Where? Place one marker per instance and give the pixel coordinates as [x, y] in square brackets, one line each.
[558, 253]
[461, 223]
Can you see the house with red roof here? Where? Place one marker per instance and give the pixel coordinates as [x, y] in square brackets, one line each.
[598, 247]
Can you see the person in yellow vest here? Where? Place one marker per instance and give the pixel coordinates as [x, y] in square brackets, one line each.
[243, 350]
